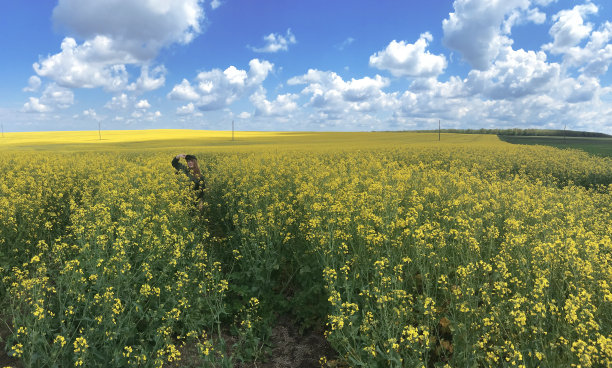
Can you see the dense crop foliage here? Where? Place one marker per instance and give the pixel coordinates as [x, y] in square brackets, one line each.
[481, 254]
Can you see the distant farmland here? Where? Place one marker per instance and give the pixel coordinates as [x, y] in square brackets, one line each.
[592, 145]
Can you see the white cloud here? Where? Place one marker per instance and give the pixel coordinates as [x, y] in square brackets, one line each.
[149, 80]
[142, 104]
[332, 95]
[214, 4]
[522, 90]
[216, 89]
[569, 28]
[594, 58]
[544, 2]
[516, 73]
[346, 43]
[92, 64]
[186, 110]
[33, 84]
[283, 104]
[52, 97]
[276, 42]
[244, 115]
[258, 71]
[410, 60]
[34, 105]
[138, 28]
[521, 15]
[536, 16]
[582, 89]
[57, 96]
[117, 102]
[235, 76]
[91, 114]
[146, 116]
[184, 91]
[117, 33]
[475, 28]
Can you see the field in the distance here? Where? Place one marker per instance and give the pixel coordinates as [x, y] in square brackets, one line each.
[595, 146]
[150, 140]
[338, 249]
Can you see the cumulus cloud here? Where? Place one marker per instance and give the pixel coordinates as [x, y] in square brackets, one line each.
[569, 27]
[186, 109]
[594, 58]
[142, 104]
[216, 89]
[34, 105]
[138, 28]
[283, 104]
[92, 114]
[410, 60]
[331, 94]
[149, 80]
[148, 116]
[457, 103]
[33, 84]
[516, 73]
[117, 33]
[536, 16]
[53, 97]
[214, 4]
[117, 102]
[57, 96]
[582, 89]
[475, 28]
[569, 32]
[275, 42]
[185, 91]
[521, 15]
[92, 64]
[244, 115]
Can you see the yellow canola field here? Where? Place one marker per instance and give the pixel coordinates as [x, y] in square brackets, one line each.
[214, 140]
[406, 251]
[121, 139]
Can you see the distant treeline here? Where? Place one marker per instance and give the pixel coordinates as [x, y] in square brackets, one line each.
[524, 132]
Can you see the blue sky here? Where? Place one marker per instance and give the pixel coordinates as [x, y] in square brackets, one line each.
[305, 65]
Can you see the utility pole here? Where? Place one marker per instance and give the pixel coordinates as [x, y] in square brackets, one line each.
[232, 130]
[2, 130]
[564, 130]
[99, 130]
[438, 130]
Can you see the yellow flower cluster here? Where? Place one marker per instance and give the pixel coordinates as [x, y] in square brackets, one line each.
[98, 254]
[480, 254]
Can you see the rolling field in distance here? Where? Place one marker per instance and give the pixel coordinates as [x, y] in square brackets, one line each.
[386, 249]
[214, 140]
[595, 146]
